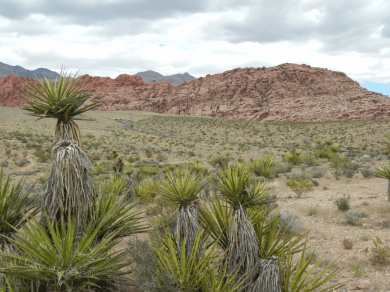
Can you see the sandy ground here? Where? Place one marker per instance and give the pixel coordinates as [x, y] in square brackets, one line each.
[327, 229]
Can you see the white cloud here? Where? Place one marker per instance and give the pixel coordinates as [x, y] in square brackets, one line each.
[108, 38]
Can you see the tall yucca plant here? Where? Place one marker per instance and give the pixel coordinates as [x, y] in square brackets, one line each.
[202, 272]
[69, 187]
[14, 210]
[234, 183]
[182, 189]
[383, 171]
[61, 100]
[57, 259]
[115, 215]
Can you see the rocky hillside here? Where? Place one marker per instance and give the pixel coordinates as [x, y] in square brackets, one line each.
[6, 70]
[149, 76]
[287, 92]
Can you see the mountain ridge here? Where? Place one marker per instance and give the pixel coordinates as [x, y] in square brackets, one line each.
[6, 70]
[150, 75]
[287, 92]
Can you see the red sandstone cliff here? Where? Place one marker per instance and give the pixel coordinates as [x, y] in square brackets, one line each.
[287, 92]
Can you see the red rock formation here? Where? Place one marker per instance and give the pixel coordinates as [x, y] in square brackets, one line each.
[287, 92]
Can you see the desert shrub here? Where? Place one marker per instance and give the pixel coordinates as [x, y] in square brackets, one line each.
[299, 186]
[133, 158]
[4, 164]
[324, 153]
[198, 168]
[289, 221]
[222, 160]
[347, 244]
[354, 217]
[147, 170]
[271, 200]
[367, 172]
[318, 172]
[303, 174]
[365, 237]
[310, 159]
[343, 165]
[314, 210]
[161, 157]
[380, 254]
[22, 162]
[143, 257]
[293, 158]
[343, 204]
[147, 190]
[42, 155]
[282, 167]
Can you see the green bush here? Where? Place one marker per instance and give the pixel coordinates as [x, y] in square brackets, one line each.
[324, 153]
[299, 185]
[343, 204]
[42, 155]
[133, 158]
[161, 157]
[293, 158]
[222, 160]
[380, 254]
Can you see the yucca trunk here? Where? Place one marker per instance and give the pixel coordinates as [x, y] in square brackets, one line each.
[67, 131]
[268, 278]
[245, 250]
[69, 187]
[187, 226]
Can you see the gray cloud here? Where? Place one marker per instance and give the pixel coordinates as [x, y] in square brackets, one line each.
[340, 25]
[90, 12]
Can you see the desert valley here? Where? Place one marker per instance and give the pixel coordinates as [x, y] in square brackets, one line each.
[324, 134]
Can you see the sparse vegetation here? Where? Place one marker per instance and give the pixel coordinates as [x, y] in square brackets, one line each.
[299, 186]
[171, 146]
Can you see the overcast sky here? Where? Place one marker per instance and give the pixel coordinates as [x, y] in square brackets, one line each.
[112, 37]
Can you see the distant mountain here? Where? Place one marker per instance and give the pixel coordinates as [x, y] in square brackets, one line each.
[149, 76]
[6, 70]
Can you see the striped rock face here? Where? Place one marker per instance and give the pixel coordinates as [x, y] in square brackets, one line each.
[287, 92]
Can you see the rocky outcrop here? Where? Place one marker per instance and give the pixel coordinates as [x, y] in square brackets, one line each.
[287, 92]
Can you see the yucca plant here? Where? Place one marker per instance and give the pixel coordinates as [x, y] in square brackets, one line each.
[60, 260]
[264, 167]
[117, 185]
[273, 239]
[234, 183]
[69, 187]
[115, 215]
[303, 276]
[60, 100]
[199, 272]
[181, 189]
[383, 171]
[14, 210]
[215, 218]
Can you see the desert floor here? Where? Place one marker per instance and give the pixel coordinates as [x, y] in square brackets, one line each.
[152, 139]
